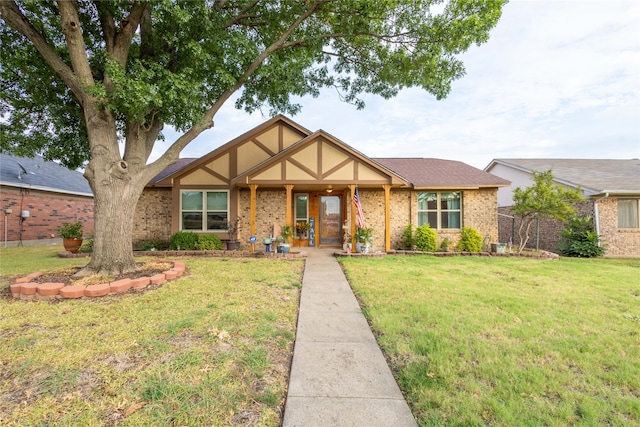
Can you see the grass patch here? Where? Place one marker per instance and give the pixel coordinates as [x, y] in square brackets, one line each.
[508, 341]
[210, 348]
[28, 259]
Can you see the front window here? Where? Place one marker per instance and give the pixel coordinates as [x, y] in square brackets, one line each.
[628, 213]
[204, 210]
[441, 210]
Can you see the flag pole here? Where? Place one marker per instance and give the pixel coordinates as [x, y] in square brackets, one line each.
[352, 188]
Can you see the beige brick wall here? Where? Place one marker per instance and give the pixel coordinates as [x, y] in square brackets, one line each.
[153, 216]
[271, 208]
[479, 210]
[617, 241]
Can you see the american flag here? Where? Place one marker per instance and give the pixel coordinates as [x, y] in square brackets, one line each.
[359, 213]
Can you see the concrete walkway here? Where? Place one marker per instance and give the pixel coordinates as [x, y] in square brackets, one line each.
[339, 376]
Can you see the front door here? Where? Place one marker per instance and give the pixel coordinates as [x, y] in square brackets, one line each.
[330, 215]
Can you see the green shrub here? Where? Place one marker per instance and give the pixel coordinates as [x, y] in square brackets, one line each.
[407, 237]
[183, 240]
[445, 245]
[87, 243]
[426, 238]
[208, 242]
[579, 240]
[152, 244]
[470, 240]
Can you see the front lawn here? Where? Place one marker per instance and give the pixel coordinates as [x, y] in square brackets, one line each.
[210, 348]
[508, 341]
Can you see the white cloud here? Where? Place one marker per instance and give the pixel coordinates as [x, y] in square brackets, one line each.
[556, 79]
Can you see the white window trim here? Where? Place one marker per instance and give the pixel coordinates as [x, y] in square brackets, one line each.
[439, 211]
[637, 226]
[204, 211]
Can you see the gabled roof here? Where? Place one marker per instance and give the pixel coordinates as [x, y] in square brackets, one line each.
[37, 174]
[419, 173]
[389, 175]
[184, 166]
[595, 176]
[438, 173]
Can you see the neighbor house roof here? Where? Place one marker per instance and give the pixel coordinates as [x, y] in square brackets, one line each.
[596, 176]
[37, 174]
[438, 173]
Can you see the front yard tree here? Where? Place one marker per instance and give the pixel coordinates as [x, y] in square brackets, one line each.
[93, 83]
[544, 199]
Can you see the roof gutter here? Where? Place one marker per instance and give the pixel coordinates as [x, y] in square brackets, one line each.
[596, 217]
[48, 189]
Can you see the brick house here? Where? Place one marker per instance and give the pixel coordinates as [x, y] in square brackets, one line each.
[37, 196]
[611, 189]
[281, 173]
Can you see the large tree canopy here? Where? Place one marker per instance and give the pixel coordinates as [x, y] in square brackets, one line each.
[80, 77]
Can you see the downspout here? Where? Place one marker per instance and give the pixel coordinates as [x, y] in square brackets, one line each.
[596, 217]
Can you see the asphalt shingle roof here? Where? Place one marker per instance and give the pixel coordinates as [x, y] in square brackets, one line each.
[429, 172]
[171, 169]
[41, 175]
[599, 175]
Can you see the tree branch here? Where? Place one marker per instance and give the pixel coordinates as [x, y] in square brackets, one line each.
[75, 43]
[128, 27]
[241, 15]
[174, 150]
[12, 15]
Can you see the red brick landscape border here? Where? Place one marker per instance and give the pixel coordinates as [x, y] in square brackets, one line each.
[23, 288]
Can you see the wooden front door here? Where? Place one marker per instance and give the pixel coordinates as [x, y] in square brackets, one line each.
[330, 218]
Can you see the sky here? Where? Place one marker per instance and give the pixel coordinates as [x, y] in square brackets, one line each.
[557, 79]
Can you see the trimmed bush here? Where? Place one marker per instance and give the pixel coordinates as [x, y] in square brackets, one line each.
[470, 240]
[578, 239]
[208, 242]
[407, 237]
[426, 239]
[183, 240]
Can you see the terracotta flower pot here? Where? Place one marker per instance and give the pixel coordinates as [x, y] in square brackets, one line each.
[72, 245]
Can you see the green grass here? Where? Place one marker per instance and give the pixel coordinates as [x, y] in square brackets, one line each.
[211, 348]
[29, 259]
[508, 341]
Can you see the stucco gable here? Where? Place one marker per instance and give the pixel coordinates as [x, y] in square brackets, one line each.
[319, 159]
[221, 165]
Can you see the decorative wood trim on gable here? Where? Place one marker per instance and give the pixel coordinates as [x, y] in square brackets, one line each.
[242, 153]
[319, 160]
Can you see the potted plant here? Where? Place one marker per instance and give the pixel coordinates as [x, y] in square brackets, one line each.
[71, 233]
[233, 244]
[302, 228]
[364, 239]
[286, 233]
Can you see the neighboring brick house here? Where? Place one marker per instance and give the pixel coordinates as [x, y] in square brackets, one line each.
[37, 196]
[280, 173]
[611, 189]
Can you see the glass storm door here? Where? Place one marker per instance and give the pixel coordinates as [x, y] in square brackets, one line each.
[330, 220]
